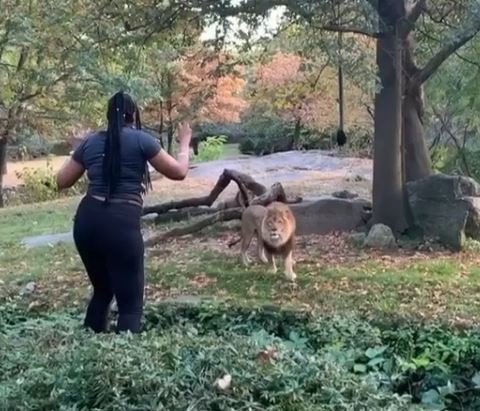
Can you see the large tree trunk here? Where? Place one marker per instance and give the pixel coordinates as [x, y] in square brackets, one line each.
[417, 157]
[3, 165]
[170, 128]
[389, 205]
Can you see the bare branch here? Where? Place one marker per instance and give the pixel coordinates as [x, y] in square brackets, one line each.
[43, 89]
[354, 30]
[445, 52]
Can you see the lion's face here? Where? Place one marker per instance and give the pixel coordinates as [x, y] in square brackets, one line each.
[278, 226]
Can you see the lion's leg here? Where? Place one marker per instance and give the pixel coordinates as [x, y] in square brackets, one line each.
[271, 259]
[261, 250]
[246, 240]
[289, 273]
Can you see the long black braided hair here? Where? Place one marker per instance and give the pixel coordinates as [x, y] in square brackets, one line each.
[122, 110]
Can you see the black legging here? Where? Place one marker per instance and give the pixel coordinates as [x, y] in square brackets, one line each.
[110, 244]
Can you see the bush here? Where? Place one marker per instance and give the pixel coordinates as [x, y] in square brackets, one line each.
[447, 159]
[39, 184]
[279, 360]
[266, 134]
[29, 145]
[233, 131]
[211, 149]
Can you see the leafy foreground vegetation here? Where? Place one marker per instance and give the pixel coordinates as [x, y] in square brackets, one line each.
[278, 360]
[362, 330]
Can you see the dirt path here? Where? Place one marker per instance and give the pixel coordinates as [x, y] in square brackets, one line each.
[11, 179]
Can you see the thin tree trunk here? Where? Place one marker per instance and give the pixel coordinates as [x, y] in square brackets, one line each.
[169, 128]
[417, 157]
[388, 186]
[3, 165]
[341, 100]
[161, 126]
[296, 134]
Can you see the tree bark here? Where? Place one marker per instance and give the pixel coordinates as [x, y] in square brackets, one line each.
[3, 165]
[341, 100]
[418, 164]
[296, 134]
[170, 127]
[389, 206]
[161, 127]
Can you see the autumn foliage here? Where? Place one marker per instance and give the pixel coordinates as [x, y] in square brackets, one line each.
[297, 89]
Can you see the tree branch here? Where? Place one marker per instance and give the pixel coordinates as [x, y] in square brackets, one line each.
[413, 15]
[444, 53]
[224, 215]
[354, 30]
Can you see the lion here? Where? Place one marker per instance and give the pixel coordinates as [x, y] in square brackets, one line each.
[274, 226]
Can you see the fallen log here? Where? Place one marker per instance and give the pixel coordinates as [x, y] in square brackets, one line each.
[224, 215]
[245, 184]
[275, 193]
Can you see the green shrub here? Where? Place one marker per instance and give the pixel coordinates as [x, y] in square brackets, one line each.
[29, 144]
[233, 131]
[211, 149]
[266, 134]
[315, 363]
[447, 159]
[39, 184]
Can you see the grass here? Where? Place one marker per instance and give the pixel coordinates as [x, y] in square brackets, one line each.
[332, 275]
[34, 219]
[335, 280]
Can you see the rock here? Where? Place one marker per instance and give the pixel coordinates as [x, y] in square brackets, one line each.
[380, 236]
[29, 288]
[344, 194]
[330, 214]
[114, 307]
[357, 239]
[472, 226]
[446, 208]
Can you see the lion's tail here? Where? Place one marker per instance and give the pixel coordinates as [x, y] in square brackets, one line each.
[233, 242]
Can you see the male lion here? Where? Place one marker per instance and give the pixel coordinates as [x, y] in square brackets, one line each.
[274, 227]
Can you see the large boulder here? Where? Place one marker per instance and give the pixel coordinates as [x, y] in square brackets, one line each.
[331, 214]
[446, 208]
[380, 236]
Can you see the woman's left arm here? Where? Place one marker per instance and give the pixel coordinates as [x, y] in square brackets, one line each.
[69, 174]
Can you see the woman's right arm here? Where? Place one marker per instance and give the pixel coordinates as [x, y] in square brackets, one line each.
[164, 163]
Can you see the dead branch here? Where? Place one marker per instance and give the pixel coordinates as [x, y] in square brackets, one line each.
[179, 215]
[275, 193]
[245, 184]
[224, 215]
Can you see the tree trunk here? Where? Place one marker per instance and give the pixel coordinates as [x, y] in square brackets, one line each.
[160, 127]
[389, 205]
[169, 128]
[341, 100]
[3, 165]
[296, 134]
[417, 157]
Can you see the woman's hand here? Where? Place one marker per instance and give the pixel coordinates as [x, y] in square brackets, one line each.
[164, 163]
[184, 135]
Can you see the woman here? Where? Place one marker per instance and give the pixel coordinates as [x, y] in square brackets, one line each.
[107, 223]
